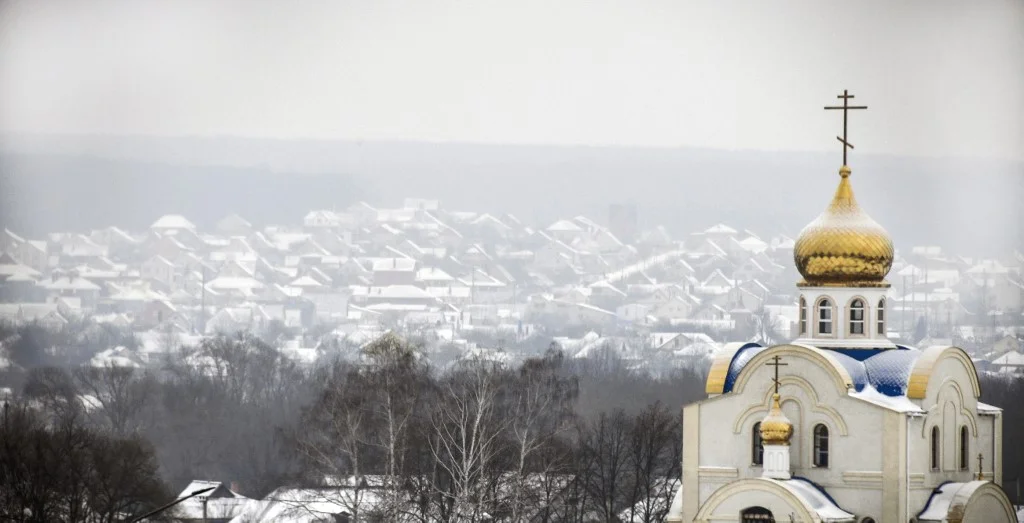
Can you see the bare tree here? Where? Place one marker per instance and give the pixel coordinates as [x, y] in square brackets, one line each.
[336, 431]
[466, 437]
[541, 407]
[608, 474]
[655, 456]
[123, 394]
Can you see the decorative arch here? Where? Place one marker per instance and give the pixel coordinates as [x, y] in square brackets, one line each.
[975, 493]
[920, 375]
[840, 377]
[742, 488]
[816, 406]
[964, 448]
[862, 320]
[803, 315]
[881, 327]
[825, 307]
[974, 502]
[935, 410]
[820, 445]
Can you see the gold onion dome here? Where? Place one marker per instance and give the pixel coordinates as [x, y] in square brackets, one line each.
[775, 427]
[843, 246]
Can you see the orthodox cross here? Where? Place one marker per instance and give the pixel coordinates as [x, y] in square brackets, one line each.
[775, 363]
[980, 476]
[846, 107]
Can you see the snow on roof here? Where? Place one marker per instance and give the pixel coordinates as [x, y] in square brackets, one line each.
[985, 408]
[817, 499]
[394, 264]
[432, 274]
[114, 357]
[172, 221]
[1010, 358]
[938, 504]
[394, 292]
[292, 505]
[898, 403]
[305, 281]
[67, 284]
[234, 283]
[720, 228]
[564, 225]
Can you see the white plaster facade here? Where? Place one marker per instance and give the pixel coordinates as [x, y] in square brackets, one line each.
[879, 447]
[880, 432]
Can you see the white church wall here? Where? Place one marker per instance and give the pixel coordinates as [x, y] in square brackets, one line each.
[841, 298]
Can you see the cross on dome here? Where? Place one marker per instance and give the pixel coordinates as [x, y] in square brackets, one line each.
[846, 108]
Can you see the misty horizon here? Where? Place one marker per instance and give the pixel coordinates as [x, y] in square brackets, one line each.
[921, 201]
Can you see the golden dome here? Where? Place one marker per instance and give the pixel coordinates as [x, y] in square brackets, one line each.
[843, 246]
[775, 427]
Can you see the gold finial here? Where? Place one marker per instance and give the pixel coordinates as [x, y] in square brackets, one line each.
[845, 171]
[846, 107]
[776, 429]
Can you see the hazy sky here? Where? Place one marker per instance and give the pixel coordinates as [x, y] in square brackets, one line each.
[940, 77]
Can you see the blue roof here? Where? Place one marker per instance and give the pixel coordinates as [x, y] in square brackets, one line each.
[887, 370]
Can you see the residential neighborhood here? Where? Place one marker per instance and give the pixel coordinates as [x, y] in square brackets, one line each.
[471, 281]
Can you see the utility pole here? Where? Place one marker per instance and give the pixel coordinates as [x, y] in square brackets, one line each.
[913, 300]
[903, 304]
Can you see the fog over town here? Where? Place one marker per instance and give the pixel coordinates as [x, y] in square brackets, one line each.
[445, 262]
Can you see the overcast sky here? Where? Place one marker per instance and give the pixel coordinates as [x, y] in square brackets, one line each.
[940, 77]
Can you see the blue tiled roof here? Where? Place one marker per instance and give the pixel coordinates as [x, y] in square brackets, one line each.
[887, 370]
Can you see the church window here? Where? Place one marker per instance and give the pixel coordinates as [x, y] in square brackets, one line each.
[803, 315]
[825, 317]
[935, 448]
[756, 515]
[857, 316]
[881, 317]
[964, 448]
[820, 446]
[757, 449]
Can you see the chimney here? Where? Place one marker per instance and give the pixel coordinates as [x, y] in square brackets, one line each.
[394, 263]
[235, 487]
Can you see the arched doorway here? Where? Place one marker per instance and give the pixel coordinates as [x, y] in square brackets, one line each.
[756, 515]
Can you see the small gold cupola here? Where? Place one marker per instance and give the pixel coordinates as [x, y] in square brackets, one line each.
[776, 429]
[843, 246]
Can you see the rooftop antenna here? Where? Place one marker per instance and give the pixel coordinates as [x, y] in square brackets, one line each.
[846, 108]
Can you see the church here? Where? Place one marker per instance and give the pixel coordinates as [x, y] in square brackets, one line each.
[842, 425]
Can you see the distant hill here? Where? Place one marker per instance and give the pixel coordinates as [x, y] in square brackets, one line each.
[75, 183]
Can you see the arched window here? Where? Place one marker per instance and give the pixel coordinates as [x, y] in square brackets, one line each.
[881, 317]
[820, 445]
[756, 515]
[857, 317]
[965, 449]
[803, 315]
[757, 445]
[935, 448]
[825, 317]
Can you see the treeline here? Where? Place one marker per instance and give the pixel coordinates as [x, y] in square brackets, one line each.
[549, 439]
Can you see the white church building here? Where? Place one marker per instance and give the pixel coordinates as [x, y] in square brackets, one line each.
[855, 429]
